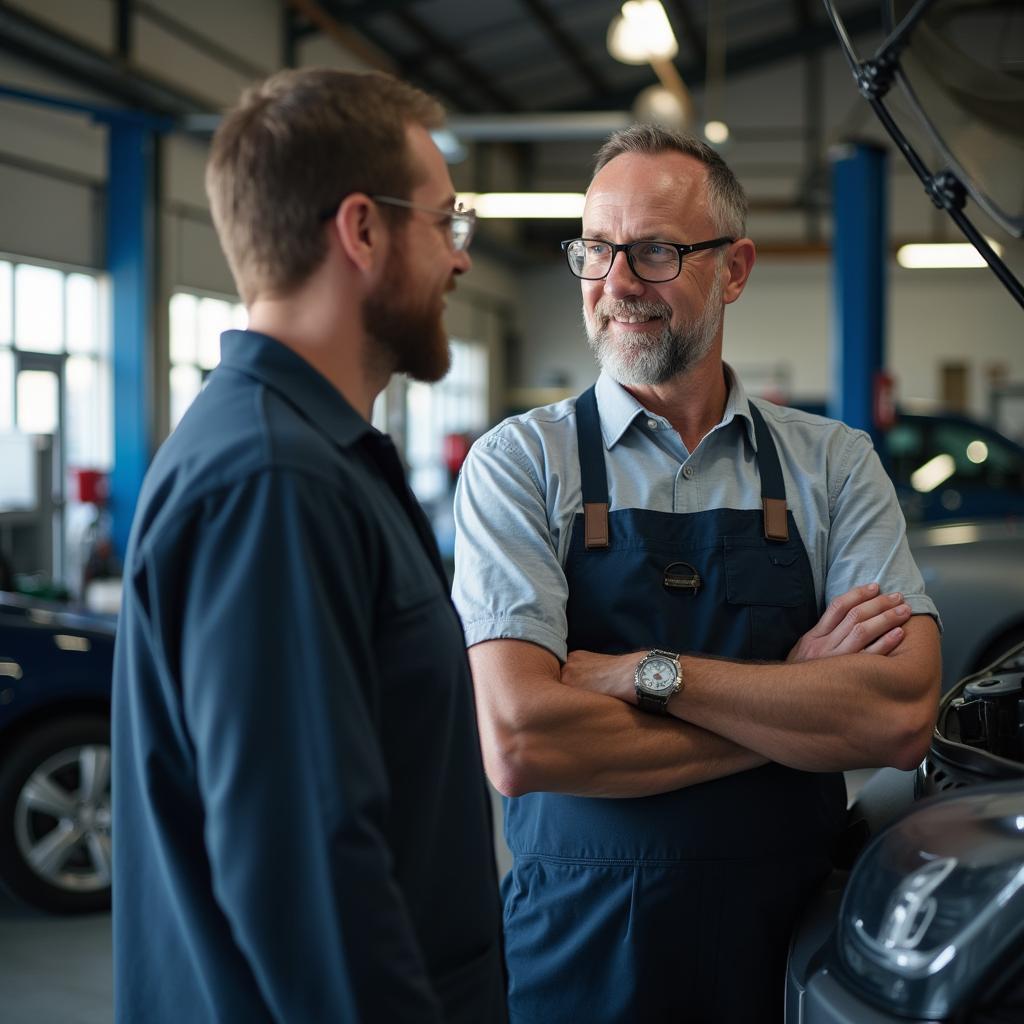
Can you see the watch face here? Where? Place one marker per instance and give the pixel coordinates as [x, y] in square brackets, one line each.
[657, 675]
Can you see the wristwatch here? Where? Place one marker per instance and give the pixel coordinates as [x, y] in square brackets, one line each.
[658, 677]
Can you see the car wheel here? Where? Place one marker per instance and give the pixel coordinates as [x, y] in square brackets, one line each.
[55, 816]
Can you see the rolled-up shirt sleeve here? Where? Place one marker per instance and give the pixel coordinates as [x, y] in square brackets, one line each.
[868, 532]
[509, 582]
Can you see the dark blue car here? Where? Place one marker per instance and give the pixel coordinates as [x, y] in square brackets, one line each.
[55, 673]
[947, 466]
[951, 467]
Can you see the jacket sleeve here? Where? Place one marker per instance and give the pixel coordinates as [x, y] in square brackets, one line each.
[277, 677]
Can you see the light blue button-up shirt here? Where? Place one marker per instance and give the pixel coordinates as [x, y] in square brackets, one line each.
[520, 490]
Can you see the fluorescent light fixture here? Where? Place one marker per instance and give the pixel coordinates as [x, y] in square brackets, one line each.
[642, 33]
[943, 536]
[942, 255]
[716, 132]
[522, 205]
[927, 477]
[977, 452]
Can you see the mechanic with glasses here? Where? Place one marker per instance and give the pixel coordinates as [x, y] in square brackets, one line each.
[688, 612]
[302, 827]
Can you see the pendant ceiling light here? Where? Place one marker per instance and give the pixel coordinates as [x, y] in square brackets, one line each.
[642, 34]
[716, 131]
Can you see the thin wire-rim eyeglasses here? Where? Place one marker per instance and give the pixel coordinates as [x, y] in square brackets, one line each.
[461, 222]
[682, 249]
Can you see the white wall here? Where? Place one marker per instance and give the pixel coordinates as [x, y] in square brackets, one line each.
[88, 21]
[53, 168]
[783, 322]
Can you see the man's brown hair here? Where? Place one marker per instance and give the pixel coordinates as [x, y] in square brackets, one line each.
[291, 150]
[726, 198]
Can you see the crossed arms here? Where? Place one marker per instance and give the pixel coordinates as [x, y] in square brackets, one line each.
[858, 690]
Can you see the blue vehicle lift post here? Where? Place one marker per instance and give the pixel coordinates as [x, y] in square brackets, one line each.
[860, 258]
[131, 262]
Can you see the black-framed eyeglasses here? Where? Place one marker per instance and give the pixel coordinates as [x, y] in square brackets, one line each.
[461, 223]
[652, 261]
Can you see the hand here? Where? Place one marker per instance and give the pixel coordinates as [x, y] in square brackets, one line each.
[859, 621]
[610, 674]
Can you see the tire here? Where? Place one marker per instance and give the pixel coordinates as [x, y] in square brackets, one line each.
[55, 816]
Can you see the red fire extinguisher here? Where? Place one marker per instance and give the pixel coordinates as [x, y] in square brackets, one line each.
[883, 405]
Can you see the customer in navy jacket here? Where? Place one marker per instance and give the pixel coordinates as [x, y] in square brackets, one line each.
[302, 830]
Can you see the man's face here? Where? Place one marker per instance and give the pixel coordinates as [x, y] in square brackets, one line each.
[643, 333]
[404, 312]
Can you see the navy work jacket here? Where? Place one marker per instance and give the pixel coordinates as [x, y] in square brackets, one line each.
[301, 825]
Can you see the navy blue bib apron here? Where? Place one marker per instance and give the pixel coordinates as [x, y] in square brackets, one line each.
[676, 908]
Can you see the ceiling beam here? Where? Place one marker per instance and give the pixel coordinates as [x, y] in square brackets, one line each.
[474, 77]
[199, 42]
[324, 17]
[568, 46]
[123, 21]
[359, 12]
[330, 18]
[814, 116]
[680, 10]
[26, 38]
[413, 66]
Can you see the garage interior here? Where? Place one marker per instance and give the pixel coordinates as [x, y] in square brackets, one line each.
[114, 291]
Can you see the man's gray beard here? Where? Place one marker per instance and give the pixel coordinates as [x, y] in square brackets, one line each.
[652, 357]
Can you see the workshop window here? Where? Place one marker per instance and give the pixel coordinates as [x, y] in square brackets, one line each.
[455, 405]
[56, 381]
[55, 374]
[6, 356]
[197, 321]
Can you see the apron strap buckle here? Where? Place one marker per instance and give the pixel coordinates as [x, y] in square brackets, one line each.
[776, 522]
[595, 524]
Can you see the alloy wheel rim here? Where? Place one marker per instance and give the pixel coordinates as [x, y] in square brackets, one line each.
[62, 819]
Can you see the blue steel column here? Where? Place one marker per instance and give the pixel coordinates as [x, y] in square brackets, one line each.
[130, 261]
[860, 256]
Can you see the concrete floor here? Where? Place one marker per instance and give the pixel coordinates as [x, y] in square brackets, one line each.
[54, 970]
[57, 970]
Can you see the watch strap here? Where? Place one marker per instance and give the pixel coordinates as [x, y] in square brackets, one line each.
[648, 702]
[671, 655]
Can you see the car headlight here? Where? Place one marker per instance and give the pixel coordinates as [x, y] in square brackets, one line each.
[936, 902]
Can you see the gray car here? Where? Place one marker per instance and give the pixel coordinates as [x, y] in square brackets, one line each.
[929, 925]
[974, 571]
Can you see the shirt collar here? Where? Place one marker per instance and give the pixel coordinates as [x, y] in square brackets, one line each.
[618, 408]
[738, 404]
[305, 388]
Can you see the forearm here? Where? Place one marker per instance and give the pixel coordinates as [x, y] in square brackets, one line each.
[838, 713]
[539, 735]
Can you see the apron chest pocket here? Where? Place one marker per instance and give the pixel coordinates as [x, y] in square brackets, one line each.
[760, 573]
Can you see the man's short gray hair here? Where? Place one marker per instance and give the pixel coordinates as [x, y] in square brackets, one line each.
[726, 198]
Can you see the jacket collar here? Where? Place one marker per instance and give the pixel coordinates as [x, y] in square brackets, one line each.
[306, 389]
